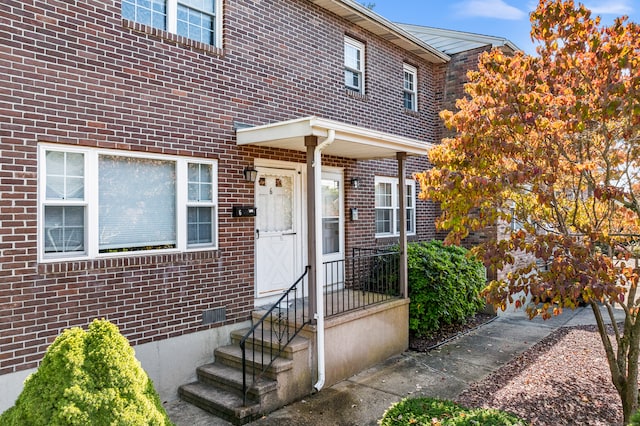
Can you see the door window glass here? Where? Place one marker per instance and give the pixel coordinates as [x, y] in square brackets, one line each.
[330, 216]
[275, 203]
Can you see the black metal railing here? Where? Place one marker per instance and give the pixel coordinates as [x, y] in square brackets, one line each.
[286, 318]
[370, 276]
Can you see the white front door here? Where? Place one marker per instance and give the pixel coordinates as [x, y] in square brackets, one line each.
[278, 251]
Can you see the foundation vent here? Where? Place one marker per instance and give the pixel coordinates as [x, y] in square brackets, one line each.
[213, 316]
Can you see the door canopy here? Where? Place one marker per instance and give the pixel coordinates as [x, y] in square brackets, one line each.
[350, 141]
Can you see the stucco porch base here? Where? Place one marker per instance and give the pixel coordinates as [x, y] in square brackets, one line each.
[12, 385]
[357, 340]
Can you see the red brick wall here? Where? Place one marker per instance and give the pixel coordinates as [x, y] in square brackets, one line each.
[454, 89]
[456, 78]
[361, 233]
[73, 72]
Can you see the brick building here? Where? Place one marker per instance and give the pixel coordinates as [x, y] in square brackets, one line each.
[129, 131]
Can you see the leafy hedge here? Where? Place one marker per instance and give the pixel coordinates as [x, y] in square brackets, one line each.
[431, 411]
[88, 378]
[444, 286]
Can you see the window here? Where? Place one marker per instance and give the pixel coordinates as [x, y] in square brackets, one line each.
[136, 203]
[103, 202]
[515, 224]
[200, 206]
[198, 20]
[410, 87]
[332, 217]
[64, 212]
[387, 207]
[354, 65]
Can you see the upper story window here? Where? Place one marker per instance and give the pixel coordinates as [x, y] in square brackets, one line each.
[410, 87]
[95, 202]
[387, 207]
[354, 65]
[198, 20]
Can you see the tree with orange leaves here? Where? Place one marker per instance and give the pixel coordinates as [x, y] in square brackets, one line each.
[553, 141]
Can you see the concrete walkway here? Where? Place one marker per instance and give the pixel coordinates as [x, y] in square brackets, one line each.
[445, 372]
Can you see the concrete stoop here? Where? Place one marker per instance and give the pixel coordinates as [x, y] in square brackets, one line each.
[219, 386]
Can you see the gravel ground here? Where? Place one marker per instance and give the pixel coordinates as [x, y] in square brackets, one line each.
[562, 380]
[447, 332]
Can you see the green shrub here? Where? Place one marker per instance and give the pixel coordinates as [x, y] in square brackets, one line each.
[486, 417]
[418, 411]
[431, 411]
[444, 286]
[635, 419]
[88, 377]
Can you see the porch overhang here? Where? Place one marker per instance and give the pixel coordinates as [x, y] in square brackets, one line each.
[318, 137]
[350, 141]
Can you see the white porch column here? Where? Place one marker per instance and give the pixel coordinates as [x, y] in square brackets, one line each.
[402, 204]
[311, 142]
[315, 204]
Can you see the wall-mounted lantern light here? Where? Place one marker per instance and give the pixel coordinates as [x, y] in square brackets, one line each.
[250, 174]
[355, 182]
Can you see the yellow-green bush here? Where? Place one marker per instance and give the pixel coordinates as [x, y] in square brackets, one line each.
[88, 378]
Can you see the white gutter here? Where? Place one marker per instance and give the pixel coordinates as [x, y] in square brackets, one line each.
[319, 316]
[369, 15]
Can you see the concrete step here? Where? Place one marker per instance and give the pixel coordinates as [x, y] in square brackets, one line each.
[230, 378]
[231, 356]
[290, 317]
[221, 402]
[219, 386]
[270, 340]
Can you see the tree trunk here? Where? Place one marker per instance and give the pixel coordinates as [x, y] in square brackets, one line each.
[630, 397]
[629, 402]
[624, 379]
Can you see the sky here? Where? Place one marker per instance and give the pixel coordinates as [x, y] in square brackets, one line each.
[501, 18]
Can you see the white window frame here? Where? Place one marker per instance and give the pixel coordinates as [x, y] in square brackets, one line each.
[336, 174]
[172, 19]
[63, 201]
[90, 202]
[203, 203]
[360, 47]
[411, 91]
[395, 201]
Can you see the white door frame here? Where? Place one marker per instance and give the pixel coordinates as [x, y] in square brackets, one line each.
[300, 209]
[337, 173]
[334, 274]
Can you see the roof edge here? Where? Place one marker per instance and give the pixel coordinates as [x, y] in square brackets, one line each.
[494, 41]
[372, 17]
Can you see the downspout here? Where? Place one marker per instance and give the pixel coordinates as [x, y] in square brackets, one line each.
[319, 316]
